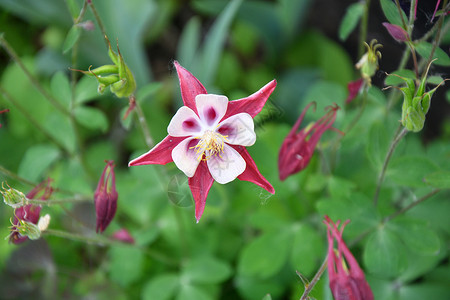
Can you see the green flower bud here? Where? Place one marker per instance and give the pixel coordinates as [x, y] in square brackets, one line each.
[27, 229]
[368, 64]
[117, 76]
[13, 197]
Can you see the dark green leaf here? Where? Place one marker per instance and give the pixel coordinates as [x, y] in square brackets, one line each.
[425, 48]
[91, 117]
[72, 37]
[206, 269]
[36, 160]
[440, 179]
[410, 170]
[391, 79]
[351, 19]
[392, 12]
[161, 287]
[61, 89]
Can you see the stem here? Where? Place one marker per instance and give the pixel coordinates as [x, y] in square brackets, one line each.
[310, 286]
[413, 204]
[98, 19]
[363, 28]
[416, 66]
[30, 118]
[144, 126]
[30, 77]
[57, 201]
[8, 173]
[400, 134]
[361, 109]
[400, 14]
[103, 241]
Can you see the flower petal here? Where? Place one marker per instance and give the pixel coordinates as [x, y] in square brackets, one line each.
[251, 172]
[226, 167]
[189, 86]
[238, 130]
[185, 157]
[184, 123]
[252, 104]
[161, 154]
[211, 108]
[200, 184]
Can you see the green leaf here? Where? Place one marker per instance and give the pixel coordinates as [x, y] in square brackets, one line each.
[267, 297]
[440, 179]
[417, 236]
[86, 90]
[125, 264]
[350, 20]
[189, 292]
[377, 146]
[206, 269]
[425, 48]
[434, 80]
[340, 187]
[61, 90]
[189, 42]
[307, 251]
[392, 12]
[410, 170]
[59, 127]
[72, 37]
[161, 287]
[36, 160]
[91, 118]
[383, 254]
[265, 255]
[391, 79]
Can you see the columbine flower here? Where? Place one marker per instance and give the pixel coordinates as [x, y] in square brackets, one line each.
[354, 87]
[105, 197]
[298, 147]
[347, 280]
[207, 138]
[29, 213]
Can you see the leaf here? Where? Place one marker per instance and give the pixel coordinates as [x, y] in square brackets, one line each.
[265, 255]
[377, 145]
[307, 250]
[72, 37]
[416, 235]
[189, 42]
[425, 48]
[267, 297]
[161, 287]
[350, 20]
[391, 79]
[392, 12]
[36, 160]
[125, 264]
[91, 118]
[59, 127]
[206, 269]
[440, 179]
[61, 90]
[86, 90]
[383, 254]
[189, 292]
[410, 170]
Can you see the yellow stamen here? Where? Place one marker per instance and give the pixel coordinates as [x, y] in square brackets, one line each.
[210, 141]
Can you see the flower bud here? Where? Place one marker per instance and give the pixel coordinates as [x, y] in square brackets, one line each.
[117, 76]
[368, 64]
[124, 236]
[25, 229]
[13, 197]
[105, 197]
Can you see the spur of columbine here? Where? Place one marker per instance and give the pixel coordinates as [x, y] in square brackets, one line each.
[207, 138]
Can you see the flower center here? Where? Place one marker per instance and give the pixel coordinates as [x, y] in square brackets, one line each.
[210, 141]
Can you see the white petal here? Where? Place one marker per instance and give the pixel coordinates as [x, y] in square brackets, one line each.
[211, 108]
[186, 158]
[184, 123]
[227, 166]
[238, 129]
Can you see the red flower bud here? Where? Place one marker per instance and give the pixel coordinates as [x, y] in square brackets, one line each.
[298, 147]
[353, 89]
[105, 197]
[397, 32]
[30, 212]
[123, 235]
[347, 280]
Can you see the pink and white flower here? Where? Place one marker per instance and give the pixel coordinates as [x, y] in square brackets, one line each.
[207, 138]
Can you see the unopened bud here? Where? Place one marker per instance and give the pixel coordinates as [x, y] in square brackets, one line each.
[28, 229]
[368, 64]
[13, 197]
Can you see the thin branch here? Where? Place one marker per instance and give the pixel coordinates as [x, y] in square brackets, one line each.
[310, 286]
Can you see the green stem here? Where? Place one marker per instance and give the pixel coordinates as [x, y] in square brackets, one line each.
[413, 204]
[144, 126]
[103, 241]
[10, 174]
[30, 77]
[400, 134]
[363, 28]
[31, 118]
[310, 286]
[98, 19]
[361, 109]
[57, 201]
